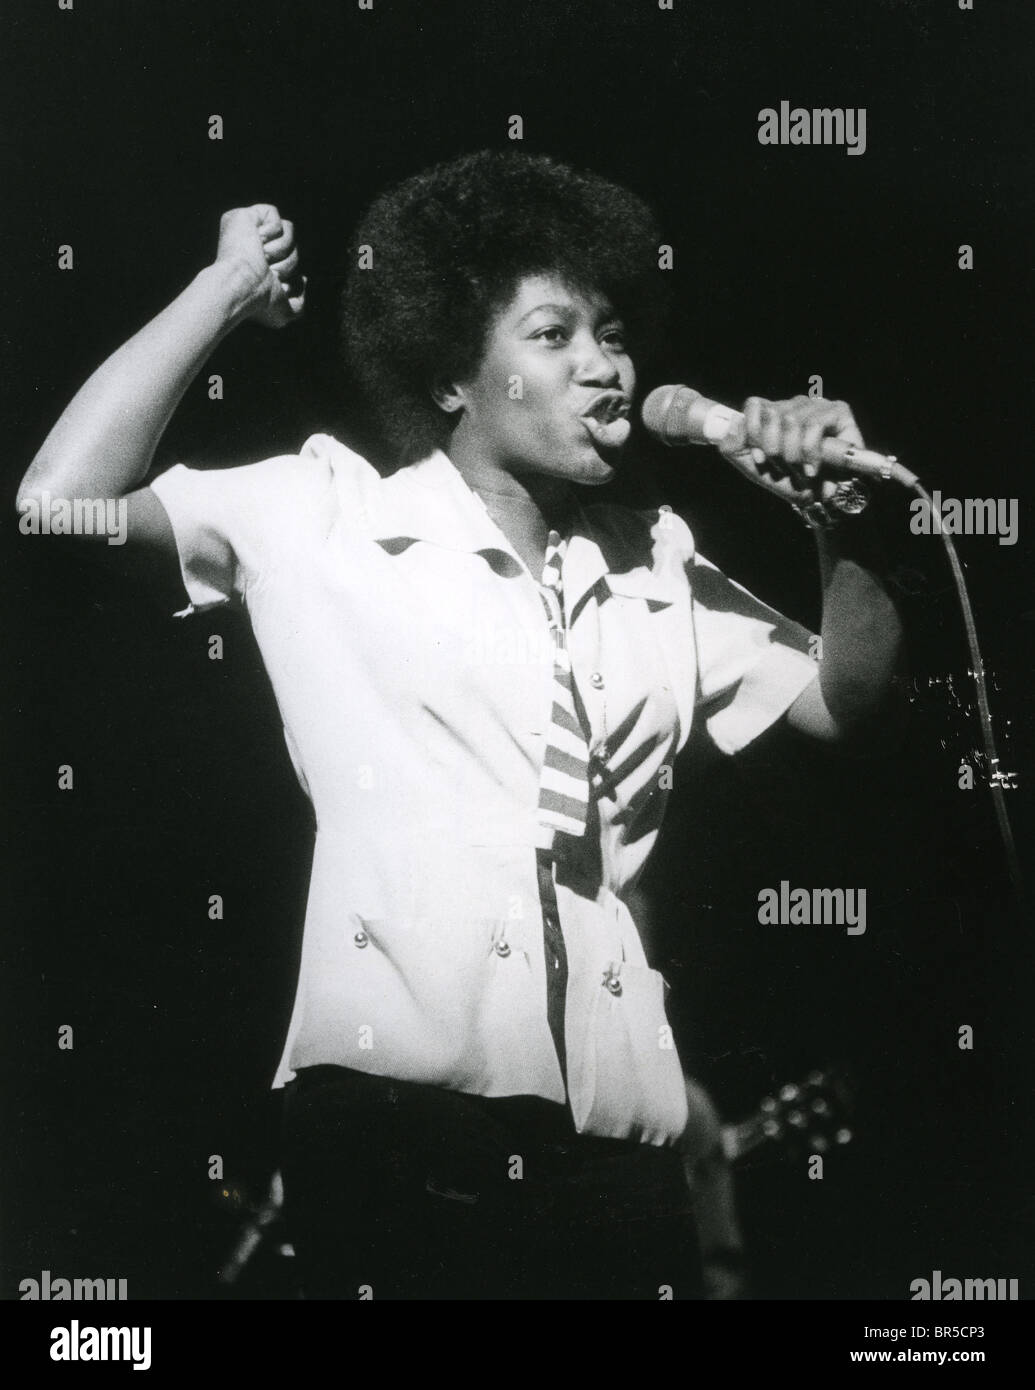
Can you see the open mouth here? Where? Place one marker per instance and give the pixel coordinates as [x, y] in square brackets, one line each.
[606, 419]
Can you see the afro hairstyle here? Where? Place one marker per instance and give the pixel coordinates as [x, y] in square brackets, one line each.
[449, 247]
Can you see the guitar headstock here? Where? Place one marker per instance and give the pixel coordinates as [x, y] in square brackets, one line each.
[804, 1117]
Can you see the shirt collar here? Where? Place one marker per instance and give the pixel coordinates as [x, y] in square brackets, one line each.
[430, 501]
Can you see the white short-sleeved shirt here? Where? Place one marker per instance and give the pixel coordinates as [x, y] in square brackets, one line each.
[409, 654]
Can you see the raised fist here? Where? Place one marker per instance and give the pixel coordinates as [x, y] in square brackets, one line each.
[262, 245]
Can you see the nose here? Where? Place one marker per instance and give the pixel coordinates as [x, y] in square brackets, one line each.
[595, 366]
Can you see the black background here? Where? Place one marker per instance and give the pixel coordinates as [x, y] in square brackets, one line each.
[789, 262]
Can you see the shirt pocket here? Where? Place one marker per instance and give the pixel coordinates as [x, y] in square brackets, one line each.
[635, 673]
[627, 1081]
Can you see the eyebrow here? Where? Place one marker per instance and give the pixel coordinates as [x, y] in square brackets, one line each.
[554, 308]
[609, 312]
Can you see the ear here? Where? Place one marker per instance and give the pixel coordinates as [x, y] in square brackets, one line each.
[448, 396]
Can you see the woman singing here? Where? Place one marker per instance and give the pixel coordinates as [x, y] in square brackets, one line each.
[484, 674]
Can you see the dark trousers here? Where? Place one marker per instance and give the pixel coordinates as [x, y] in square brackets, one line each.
[411, 1191]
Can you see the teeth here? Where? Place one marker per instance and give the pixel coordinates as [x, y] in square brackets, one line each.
[607, 408]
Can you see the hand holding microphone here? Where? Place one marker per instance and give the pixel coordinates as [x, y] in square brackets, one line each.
[785, 447]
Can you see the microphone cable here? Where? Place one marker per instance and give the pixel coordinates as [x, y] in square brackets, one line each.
[996, 779]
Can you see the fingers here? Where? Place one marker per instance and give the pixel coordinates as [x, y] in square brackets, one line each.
[834, 419]
[296, 296]
[286, 269]
[278, 240]
[275, 234]
[289, 299]
[792, 439]
[770, 430]
[779, 444]
[792, 432]
[735, 442]
[263, 242]
[258, 234]
[266, 218]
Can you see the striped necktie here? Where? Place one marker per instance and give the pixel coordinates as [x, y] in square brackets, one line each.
[564, 782]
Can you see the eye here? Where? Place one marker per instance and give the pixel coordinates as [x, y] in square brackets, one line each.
[615, 338]
[554, 334]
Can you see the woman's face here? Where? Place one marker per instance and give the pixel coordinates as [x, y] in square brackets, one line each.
[554, 387]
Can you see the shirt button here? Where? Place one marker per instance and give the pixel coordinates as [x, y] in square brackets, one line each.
[614, 985]
[502, 949]
[361, 939]
[596, 680]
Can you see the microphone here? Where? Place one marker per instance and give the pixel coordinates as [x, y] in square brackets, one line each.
[679, 415]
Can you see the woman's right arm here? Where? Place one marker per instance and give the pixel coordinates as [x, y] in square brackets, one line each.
[104, 442]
